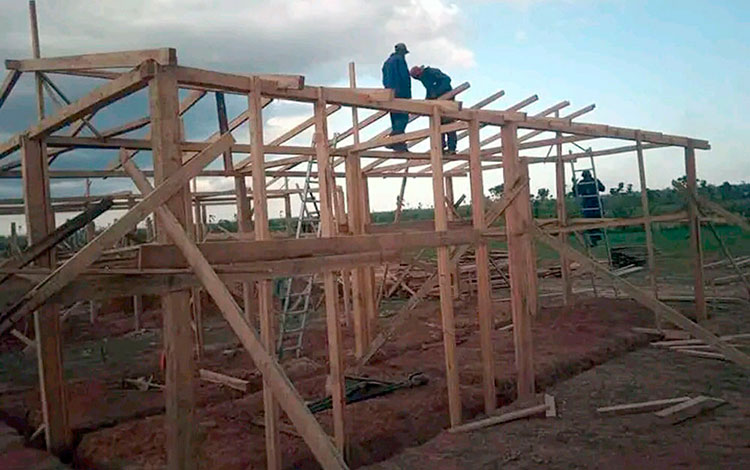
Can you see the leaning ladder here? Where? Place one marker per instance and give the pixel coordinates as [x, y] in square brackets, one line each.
[297, 291]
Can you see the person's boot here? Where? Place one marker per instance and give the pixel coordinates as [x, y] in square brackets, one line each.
[399, 147]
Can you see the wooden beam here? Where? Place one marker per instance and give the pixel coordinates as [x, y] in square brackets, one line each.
[562, 217]
[646, 299]
[40, 223]
[281, 386]
[503, 418]
[521, 263]
[88, 254]
[8, 83]
[647, 225]
[641, 407]
[696, 242]
[688, 409]
[484, 289]
[128, 83]
[265, 299]
[444, 270]
[333, 327]
[223, 379]
[107, 60]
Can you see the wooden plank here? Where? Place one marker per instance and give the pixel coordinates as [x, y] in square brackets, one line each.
[562, 217]
[281, 386]
[647, 224]
[640, 407]
[11, 78]
[179, 390]
[444, 270]
[333, 327]
[87, 255]
[703, 354]
[484, 289]
[551, 411]
[106, 60]
[689, 409]
[499, 419]
[235, 83]
[647, 300]
[223, 379]
[48, 335]
[696, 243]
[265, 300]
[98, 98]
[521, 263]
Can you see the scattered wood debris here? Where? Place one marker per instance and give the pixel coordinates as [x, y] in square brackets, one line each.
[689, 409]
[548, 408]
[223, 379]
[640, 407]
[142, 383]
[667, 334]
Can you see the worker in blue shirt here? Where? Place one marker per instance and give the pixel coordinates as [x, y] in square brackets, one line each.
[436, 84]
[396, 77]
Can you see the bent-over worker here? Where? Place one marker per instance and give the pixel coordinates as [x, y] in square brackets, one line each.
[436, 84]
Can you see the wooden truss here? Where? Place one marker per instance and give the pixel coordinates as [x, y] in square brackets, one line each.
[180, 260]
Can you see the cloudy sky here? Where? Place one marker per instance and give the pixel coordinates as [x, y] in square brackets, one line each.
[677, 67]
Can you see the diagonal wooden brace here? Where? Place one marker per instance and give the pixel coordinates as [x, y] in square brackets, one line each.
[66, 273]
[273, 373]
[645, 299]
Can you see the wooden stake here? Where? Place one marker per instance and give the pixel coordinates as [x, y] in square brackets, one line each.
[647, 224]
[484, 289]
[444, 272]
[522, 263]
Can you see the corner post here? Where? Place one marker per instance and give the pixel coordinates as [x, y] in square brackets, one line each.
[522, 263]
[562, 219]
[39, 223]
[178, 336]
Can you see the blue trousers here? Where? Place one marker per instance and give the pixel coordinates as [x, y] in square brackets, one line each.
[398, 123]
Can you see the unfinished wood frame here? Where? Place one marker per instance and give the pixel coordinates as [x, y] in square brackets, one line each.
[181, 260]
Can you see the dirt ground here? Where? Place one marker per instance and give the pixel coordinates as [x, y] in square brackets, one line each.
[580, 438]
[118, 427]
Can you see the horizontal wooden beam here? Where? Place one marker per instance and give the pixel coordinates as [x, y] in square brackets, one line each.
[167, 256]
[236, 83]
[106, 60]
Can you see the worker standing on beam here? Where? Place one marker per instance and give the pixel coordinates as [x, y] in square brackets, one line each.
[396, 77]
[437, 83]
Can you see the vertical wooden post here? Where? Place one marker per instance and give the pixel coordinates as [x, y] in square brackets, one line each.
[341, 222]
[562, 219]
[647, 223]
[444, 280]
[265, 299]
[199, 228]
[150, 232]
[695, 235]
[455, 268]
[178, 335]
[370, 293]
[15, 249]
[36, 53]
[40, 222]
[484, 289]
[335, 349]
[137, 311]
[522, 264]
[449, 197]
[356, 227]
[288, 214]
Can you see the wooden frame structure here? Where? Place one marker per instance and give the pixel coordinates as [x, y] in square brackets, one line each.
[179, 261]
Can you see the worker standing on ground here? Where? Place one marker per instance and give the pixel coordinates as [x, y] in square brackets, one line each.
[436, 84]
[396, 77]
[588, 190]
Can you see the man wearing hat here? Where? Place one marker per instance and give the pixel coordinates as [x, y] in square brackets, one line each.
[396, 77]
[436, 84]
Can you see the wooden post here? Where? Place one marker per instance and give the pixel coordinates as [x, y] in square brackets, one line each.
[484, 289]
[695, 235]
[370, 292]
[335, 349]
[150, 233]
[265, 299]
[36, 53]
[341, 221]
[562, 219]
[455, 268]
[522, 264]
[288, 214]
[647, 222]
[40, 222]
[444, 280]
[137, 311]
[178, 335]
[356, 227]
[15, 249]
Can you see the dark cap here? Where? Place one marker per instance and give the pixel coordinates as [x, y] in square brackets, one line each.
[401, 48]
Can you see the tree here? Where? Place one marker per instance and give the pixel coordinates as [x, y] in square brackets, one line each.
[497, 191]
[542, 194]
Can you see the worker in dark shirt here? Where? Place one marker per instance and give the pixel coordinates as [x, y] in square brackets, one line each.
[588, 190]
[436, 84]
[396, 77]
